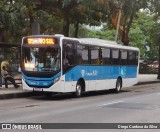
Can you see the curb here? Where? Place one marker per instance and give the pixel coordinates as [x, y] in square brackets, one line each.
[16, 95]
[149, 82]
[30, 94]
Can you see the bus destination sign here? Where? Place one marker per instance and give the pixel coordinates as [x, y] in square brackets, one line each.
[40, 41]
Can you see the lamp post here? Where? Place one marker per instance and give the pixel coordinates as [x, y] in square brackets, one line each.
[158, 77]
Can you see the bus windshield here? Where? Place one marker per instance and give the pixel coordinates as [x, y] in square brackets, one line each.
[40, 59]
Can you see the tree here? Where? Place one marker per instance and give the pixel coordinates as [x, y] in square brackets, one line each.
[49, 24]
[13, 21]
[88, 13]
[61, 9]
[7, 12]
[141, 35]
[154, 7]
[128, 8]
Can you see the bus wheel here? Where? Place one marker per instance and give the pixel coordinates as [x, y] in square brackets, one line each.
[118, 85]
[78, 92]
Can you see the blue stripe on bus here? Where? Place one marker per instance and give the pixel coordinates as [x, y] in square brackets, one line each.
[100, 72]
[88, 73]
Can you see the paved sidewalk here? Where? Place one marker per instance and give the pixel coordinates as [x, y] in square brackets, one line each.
[11, 92]
[8, 93]
[147, 79]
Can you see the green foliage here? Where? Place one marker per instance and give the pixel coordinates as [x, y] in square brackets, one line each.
[56, 15]
[53, 26]
[137, 39]
[142, 35]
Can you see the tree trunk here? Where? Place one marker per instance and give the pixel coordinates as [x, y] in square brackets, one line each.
[1, 37]
[30, 20]
[125, 38]
[76, 29]
[158, 77]
[4, 36]
[66, 24]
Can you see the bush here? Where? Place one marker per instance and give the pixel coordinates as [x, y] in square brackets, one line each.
[144, 69]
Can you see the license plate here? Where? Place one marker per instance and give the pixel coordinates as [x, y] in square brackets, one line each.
[37, 89]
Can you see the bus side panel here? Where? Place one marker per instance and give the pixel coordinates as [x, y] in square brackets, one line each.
[100, 77]
[84, 72]
[95, 77]
[128, 82]
[130, 76]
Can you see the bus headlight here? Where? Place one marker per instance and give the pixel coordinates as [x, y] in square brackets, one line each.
[56, 79]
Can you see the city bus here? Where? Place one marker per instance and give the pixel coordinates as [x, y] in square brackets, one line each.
[59, 64]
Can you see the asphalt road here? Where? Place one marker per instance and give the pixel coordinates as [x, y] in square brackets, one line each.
[137, 104]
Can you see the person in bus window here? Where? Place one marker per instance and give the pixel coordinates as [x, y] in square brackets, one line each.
[65, 61]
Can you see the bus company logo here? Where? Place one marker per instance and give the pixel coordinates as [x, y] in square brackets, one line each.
[83, 73]
[95, 73]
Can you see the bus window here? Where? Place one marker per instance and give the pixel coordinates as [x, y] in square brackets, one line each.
[85, 55]
[106, 55]
[132, 57]
[115, 57]
[69, 53]
[79, 54]
[123, 57]
[41, 59]
[100, 56]
[95, 55]
[137, 57]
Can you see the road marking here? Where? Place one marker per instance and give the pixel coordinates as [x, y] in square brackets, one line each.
[111, 103]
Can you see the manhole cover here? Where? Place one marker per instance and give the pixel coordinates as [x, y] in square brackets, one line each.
[130, 105]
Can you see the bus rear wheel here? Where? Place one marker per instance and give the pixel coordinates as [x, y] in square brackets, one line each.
[78, 92]
[118, 85]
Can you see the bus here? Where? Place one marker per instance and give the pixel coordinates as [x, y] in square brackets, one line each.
[59, 64]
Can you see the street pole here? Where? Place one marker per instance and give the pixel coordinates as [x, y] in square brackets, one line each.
[158, 77]
[35, 28]
[118, 23]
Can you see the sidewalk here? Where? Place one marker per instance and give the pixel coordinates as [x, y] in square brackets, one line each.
[10, 92]
[147, 79]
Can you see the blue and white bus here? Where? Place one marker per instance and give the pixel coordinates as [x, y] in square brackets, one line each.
[58, 64]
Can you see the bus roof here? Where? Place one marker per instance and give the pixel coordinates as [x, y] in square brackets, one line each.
[92, 41]
[105, 43]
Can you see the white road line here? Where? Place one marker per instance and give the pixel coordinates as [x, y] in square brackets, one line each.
[111, 103]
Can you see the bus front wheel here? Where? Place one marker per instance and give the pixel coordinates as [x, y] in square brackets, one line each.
[78, 92]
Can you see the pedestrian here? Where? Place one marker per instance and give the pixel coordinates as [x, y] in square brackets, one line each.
[4, 63]
[8, 77]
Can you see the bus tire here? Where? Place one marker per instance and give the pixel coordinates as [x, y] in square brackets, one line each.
[78, 92]
[118, 85]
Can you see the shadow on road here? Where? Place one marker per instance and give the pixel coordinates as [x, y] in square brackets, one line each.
[69, 96]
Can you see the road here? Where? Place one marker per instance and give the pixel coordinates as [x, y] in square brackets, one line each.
[137, 104]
